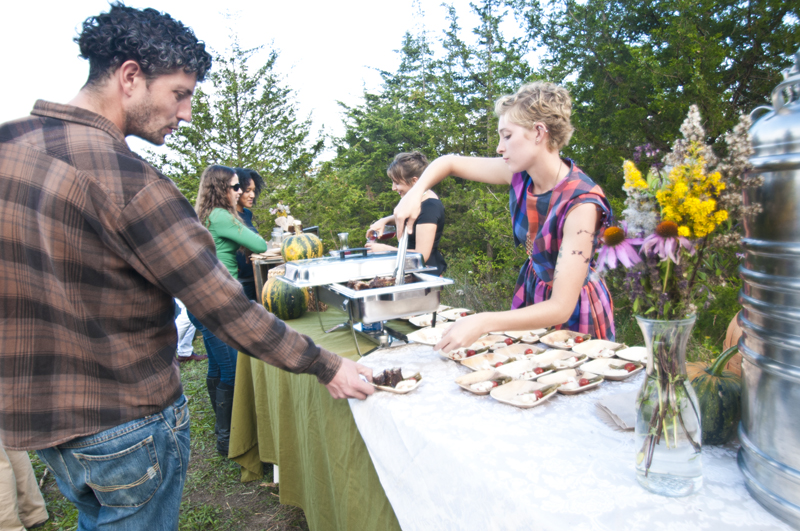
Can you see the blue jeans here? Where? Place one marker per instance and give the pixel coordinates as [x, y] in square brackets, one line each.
[221, 357]
[249, 287]
[127, 478]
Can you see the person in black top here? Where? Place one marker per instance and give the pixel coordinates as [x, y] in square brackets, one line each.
[404, 171]
[252, 184]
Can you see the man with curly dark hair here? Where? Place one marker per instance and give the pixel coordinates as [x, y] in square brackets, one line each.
[94, 245]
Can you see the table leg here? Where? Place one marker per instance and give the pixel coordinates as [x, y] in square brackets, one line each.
[275, 474]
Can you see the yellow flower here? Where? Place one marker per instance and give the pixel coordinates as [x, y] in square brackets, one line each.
[689, 196]
[633, 177]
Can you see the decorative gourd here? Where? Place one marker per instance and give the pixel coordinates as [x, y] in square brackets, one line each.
[283, 299]
[731, 340]
[719, 394]
[301, 246]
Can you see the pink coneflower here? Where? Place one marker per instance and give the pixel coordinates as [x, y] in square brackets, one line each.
[617, 246]
[666, 243]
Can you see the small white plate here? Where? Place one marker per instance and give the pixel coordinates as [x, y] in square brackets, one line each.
[519, 349]
[455, 313]
[561, 377]
[468, 380]
[598, 348]
[510, 392]
[454, 355]
[487, 342]
[399, 391]
[517, 369]
[518, 334]
[559, 338]
[483, 361]
[633, 354]
[602, 366]
[429, 336]
[425, 320]
[555, 355]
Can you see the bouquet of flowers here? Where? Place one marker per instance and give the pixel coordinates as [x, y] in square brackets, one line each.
[674, 214]
[679, 216]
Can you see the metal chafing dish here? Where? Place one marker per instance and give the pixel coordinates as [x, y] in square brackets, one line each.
[329, 277]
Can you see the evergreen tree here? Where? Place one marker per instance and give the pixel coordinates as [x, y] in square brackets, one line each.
[248, 120]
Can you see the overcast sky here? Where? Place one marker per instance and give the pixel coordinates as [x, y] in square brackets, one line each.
[329, 50]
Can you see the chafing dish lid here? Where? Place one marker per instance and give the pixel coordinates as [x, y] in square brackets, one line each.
[334, 269]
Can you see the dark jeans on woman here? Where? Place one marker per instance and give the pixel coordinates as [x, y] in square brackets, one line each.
[249, 286]
[221, 357]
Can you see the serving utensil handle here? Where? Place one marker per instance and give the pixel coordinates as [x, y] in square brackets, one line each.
[399, 273]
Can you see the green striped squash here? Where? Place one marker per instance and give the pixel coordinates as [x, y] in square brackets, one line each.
[283, 299]
[300, 247]
[719, 394]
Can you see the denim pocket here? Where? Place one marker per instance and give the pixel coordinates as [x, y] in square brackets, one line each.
[127, 478]
[181, 413]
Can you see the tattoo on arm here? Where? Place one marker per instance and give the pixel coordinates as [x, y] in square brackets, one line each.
[558, 259]
[580, 253]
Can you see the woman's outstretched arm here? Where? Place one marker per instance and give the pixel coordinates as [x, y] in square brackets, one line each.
[480, 169]
[571, 268]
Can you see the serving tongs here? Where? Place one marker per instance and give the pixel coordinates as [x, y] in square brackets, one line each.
[399, 273]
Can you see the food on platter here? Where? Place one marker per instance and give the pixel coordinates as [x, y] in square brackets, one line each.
[484, 361]
[633, 354]
[389, 377]
[565, 339]
[613, 369]
[392, 380]
[488, 341]
[529, 338]
[456, 313]
[455, 354]
[560, 359]
[429, 336]
[520, 349]
[527, 369]
[481, 382]
[572, 381]
[598, 348]
[523, 394]
[377, 282]
[570, 362]
[519, 334]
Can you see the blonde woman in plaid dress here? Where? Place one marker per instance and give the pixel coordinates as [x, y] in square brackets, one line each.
[556, 209]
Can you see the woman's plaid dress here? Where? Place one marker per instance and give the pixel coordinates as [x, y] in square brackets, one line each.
[538, 220]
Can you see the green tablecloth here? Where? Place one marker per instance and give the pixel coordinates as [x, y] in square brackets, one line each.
[291, 420]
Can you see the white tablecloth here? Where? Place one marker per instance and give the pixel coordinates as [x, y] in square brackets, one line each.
[451, 460]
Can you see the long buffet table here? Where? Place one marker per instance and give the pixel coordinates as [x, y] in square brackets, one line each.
[442, 458]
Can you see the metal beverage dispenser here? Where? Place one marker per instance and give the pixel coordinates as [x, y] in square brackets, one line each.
[769, 456]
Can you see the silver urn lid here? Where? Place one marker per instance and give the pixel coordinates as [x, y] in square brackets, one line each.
[775, 132]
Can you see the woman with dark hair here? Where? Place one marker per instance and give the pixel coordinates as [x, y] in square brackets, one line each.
[404, 171]
[217, 199]
[251, 184]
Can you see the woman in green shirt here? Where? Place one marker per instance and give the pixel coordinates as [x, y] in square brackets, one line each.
[216, 207]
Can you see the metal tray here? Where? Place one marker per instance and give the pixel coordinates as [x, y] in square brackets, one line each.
[383, 304]
[342, 268]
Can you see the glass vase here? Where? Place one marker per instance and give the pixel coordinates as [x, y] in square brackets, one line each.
[668, 429]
